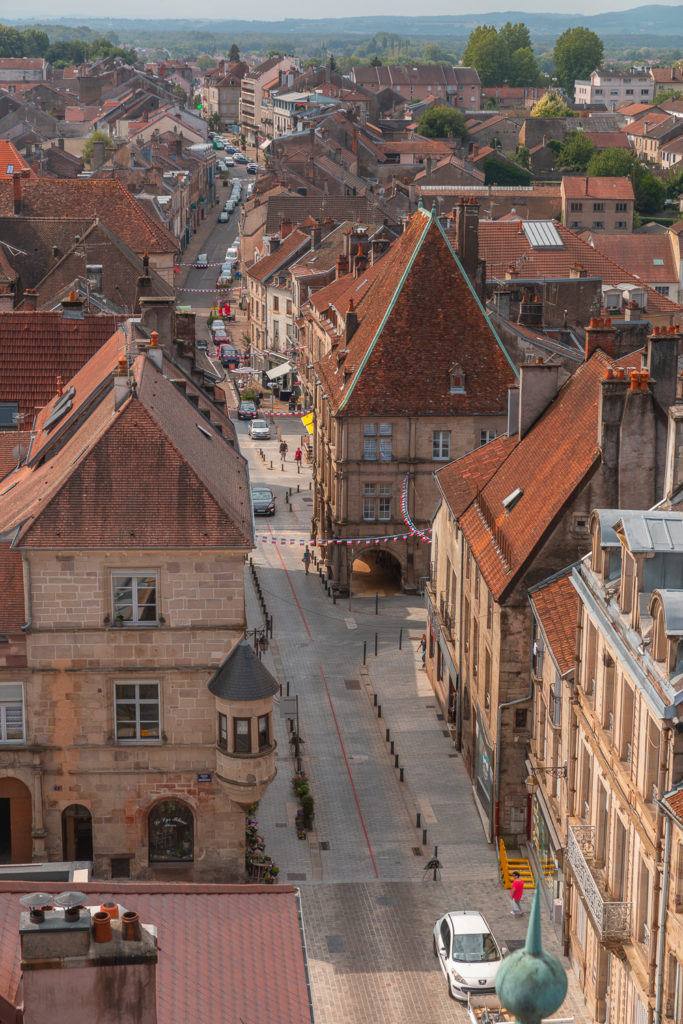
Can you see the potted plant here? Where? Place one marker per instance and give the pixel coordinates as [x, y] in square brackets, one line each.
[307, 808]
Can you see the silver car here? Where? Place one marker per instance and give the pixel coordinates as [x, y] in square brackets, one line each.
[259, 430]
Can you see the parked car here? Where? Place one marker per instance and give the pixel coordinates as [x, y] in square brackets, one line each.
[229, 162]
[247, 410]
[259, 430]
[240, 158]
[201, 345]
[262, 501]
[467, 952]
[202, 260]
[252, 168]
[223, 217]
[231, 253]
[220, 337]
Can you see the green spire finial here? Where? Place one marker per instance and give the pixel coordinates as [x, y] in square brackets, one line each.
[530, 982]
[420, 204]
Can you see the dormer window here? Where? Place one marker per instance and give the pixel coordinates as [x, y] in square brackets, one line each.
[659, 633]
[456, 376]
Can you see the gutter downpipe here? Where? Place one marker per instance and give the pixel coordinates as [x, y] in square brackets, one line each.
[664, 898]
[27, 586]
[501, 708]
[458, 731]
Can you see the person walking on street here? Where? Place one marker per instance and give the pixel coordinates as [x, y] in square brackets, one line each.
[306, 560]
[516, 893]
[283, 450]
[422, 646]
[297, 459]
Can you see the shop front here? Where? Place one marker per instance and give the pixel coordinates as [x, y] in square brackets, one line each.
[483, 774]
[547, 852]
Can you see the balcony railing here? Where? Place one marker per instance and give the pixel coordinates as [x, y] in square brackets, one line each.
[612, 919]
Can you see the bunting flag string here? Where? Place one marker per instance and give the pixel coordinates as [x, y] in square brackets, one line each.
[205, 291]
[406, 515]
[348, 541]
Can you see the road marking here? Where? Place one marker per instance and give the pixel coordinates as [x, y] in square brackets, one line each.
[350, 622]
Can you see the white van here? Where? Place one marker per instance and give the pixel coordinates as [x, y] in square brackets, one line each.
[202, 260]
[231, 253]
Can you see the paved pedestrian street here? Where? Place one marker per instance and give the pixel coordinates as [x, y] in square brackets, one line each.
[369, 905]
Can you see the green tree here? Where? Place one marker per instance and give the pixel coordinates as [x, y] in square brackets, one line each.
[11, 42]
[91, 139]
[523, 69]
[440, 122]
[577, 52]
[515, 37]
[667, 94]
[576, 152]
[434, 54]
[376, 62]
[523, 157]
[205, 62]
[234, 54]
[674, 184]
[551, 105]
[486, 52]
[491, 104]
[504, 172]
[36, 44]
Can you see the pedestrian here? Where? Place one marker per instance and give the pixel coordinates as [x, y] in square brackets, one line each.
[516, 893]
[422, 646]
[283, 450]
[306, 560]
[297, 459]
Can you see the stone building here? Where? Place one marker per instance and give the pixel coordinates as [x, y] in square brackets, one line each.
[511, 514]
[413, 374]
[123, 533]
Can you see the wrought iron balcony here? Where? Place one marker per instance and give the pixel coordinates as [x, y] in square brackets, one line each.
[612, 919]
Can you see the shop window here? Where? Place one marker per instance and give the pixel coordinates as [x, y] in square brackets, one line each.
[171, 832]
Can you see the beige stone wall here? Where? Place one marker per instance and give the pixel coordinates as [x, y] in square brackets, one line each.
[75, 660]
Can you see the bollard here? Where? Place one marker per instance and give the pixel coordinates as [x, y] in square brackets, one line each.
[271, 463]
[396, 761]
[374, 700]
[288, 689]
[424, 836]
[375, 645]
[391, 750]
[400, 638]
[309, 484]
[365, 647]
[388, 736]
[436, 862]
[282, 466]
[419, 820]
[297, 488]
[401, 774]
[298, 467]
[334, 598]
[379, 710]
[376, 604]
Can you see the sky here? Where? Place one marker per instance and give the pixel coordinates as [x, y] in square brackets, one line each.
[316, 9]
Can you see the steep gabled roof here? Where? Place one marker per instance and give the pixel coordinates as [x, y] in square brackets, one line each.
[556, 604]
[296, 242]
[419, 320]
[648, 257]
[547, 465]
[597, 188]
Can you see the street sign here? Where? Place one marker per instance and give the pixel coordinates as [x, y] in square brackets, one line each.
[288, 707]
[204, 777]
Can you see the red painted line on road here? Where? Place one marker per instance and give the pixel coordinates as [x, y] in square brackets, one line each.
[348, 770]
[291, 587]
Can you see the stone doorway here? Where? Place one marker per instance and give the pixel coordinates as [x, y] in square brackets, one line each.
[76, 833]
[16, 814]
[376, 572]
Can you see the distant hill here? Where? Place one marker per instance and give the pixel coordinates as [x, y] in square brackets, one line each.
[650, 20]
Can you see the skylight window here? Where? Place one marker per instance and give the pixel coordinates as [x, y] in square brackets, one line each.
[204, 431]
[10, 168]
[657, 262]
[512, 499]
[542, 234]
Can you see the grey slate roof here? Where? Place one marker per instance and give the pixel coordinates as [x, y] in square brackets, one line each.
[242, 676]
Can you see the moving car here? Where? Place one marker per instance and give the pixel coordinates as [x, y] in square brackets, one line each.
[229, 162]
[467, 952]
[223, 217]
[240, 158]
[201, 345]
[231, 253]
[259, 429]
[262, 501]
[252, 168]
[247, 410]
[229, 357]
[202, 260]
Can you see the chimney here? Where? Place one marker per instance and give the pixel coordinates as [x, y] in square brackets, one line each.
[60, 143]
[154, 352]
[636, 482]
[16, 179]
[30, 300]
[157, 314]
[316, 234]
[80, 962]
[513, 410]
[6, 301]
[97, 157]
[121, 383]
[662, 364]
[350, 322]
[341, 267]
[286, 227]
[600, 334]
[72, 308]
[93, 272]
[673, 480]
[538, 385]
[467, 235]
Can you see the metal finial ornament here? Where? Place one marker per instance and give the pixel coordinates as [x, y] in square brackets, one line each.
[531, 983]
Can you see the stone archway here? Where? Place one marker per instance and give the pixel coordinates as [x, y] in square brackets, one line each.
[16, 820]
[376, 571]
[76, 833]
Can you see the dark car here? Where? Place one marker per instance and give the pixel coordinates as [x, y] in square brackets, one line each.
[263, 501]
[229, 356]
[252, 168]
[247, 410]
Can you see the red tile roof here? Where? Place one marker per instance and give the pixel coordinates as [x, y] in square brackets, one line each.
[502, 245]
[295, 243]
[12, 610]
[644, 125]
[419, 319]
[639, 253]
[10, 157]
[86, 491]
[222, 948]
[633, 109]
[597, 188]
[556, 604]
[550, 462]
[94, 197]
[39, 347]
[608, 140]
[674, 801]
[664, 76]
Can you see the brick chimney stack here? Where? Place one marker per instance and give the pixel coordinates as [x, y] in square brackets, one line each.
[600, 334]
[16, 181]
[30, 300]
[350, 322]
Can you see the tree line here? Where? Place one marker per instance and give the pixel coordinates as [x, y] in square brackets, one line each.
[31, 42]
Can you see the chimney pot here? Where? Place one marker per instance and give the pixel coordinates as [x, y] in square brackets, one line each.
[644, 378]
[154, 339]
[621, 373]
[634, 376]
[593, 322]
[112, 909]
[122, 366]
[101, 924]
[609, 373]
[130, 926]
[30, 300]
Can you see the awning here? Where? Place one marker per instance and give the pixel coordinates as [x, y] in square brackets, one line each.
[278, 371]
[266, 144]
[307, 421]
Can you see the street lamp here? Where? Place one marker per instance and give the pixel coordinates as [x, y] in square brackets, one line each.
[260, 635]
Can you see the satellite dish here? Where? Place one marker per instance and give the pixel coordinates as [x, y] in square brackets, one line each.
[19, 453]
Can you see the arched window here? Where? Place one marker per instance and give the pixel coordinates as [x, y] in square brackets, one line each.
[658, 632]
[171, 832]
[76, 833]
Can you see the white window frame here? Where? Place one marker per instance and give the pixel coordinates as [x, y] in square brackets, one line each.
[137, 701]
[11, 697]
[438, 446]
[369, 503]
[384, 503]
[486, 436]
[135, 576]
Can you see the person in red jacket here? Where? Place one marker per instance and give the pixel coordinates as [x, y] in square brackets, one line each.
[516, 893]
